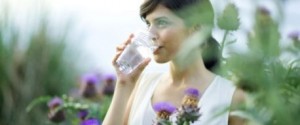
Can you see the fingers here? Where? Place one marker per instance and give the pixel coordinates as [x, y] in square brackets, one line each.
[129, 39]
[114, 61]
[120, 48]
[124, 44]
[140, 68]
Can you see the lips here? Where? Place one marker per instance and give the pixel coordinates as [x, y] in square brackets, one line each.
[156, 51]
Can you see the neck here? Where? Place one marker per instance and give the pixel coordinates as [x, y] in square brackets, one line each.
[194, 72]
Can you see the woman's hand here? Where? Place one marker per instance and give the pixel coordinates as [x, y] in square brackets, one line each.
[124, 89]
[127, 80]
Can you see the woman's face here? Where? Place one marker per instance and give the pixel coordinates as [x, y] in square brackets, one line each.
[169, 31]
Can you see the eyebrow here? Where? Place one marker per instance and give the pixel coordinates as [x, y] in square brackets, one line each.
[156, 19]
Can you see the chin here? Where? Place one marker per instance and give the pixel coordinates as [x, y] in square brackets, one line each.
[160, 60]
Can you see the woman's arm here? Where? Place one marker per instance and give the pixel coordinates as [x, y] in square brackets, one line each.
[123, 90]
[115, 113]
[129, 104]
[119, 109]
[239, 98]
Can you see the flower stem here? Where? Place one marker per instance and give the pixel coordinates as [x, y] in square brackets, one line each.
[186, 123]
[223, 42]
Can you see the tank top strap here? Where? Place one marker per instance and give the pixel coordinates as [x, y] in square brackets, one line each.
[216, 100]
[147, 83]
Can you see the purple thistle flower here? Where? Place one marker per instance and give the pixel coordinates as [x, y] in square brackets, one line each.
[294, 35]
[55, 102]
[111, 77]
[189, 111]
[109, 85]
[55, 115]
[90, 78]
[109, 89]
[89, 85]
[191, 97]
[164, 110]
[264, 11]
[82, 114]
[91, 121]
[164, 106]
[89, 91]
[192, 92]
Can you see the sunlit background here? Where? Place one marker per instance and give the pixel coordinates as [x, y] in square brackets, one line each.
[97, 26]
[62, 50]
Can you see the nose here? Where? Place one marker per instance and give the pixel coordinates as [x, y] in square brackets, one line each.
[154, 38]
[154, 33]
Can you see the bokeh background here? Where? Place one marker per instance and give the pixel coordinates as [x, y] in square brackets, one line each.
[48, 46]
[97, 26]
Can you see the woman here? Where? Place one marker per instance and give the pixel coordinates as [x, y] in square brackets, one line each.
[135, 94]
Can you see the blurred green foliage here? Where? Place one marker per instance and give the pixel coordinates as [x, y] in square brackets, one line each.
[272, 84]
[42, 67]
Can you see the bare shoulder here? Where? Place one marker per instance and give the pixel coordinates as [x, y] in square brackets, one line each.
[142, 83]
[239, 97]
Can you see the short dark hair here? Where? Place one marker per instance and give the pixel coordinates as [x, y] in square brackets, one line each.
[174, 5]
[188, 10]
[185, 9]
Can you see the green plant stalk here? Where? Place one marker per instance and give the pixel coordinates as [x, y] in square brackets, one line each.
[37, 101]
[186, 123]
[223, 42]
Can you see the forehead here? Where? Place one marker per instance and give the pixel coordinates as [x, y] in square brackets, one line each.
[161, 11]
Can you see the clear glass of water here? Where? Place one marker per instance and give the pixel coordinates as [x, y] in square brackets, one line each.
[140, 48]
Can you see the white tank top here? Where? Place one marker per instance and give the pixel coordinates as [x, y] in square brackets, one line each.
[213, 103]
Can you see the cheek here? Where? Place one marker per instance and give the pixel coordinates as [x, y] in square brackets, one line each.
[172, 39]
